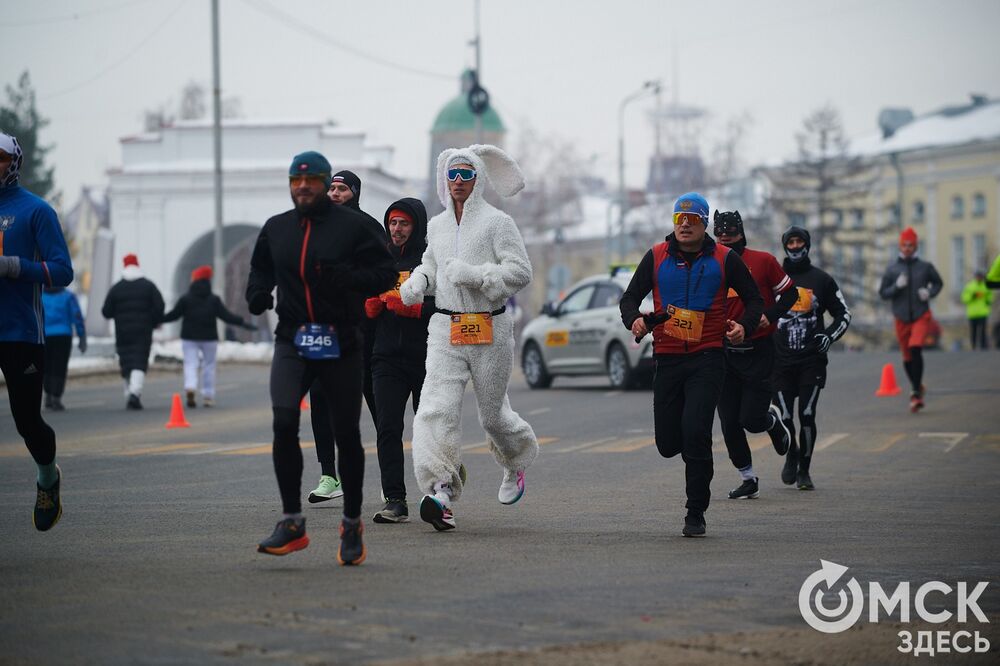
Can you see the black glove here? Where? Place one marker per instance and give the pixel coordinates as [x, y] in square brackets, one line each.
[248, 326]
[260, 302]
[822, 342]
[83, 345]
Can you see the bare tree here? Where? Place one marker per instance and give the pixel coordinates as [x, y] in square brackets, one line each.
[193, 105]
[830, 185]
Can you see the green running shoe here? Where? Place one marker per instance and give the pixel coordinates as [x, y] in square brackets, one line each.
[48, 505]
[328, 489]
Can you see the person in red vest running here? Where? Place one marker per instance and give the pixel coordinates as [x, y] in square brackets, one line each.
[690, 275]
[910, 283]
[745, 403]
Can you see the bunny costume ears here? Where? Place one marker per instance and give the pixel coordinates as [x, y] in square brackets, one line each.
[497, 166]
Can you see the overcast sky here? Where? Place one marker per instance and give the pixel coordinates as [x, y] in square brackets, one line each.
[560, 67]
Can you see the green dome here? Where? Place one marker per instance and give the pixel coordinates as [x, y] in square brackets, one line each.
[457, 117]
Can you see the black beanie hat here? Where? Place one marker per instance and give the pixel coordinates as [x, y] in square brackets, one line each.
[796, 232]
[352, 181]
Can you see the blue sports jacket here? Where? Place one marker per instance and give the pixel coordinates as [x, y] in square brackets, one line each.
[29, 229]
[62, 313]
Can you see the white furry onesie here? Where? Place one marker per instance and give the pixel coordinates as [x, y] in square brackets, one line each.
[474, 266]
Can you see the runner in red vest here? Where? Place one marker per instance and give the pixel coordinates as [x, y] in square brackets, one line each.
[690, 276]
[745, 403]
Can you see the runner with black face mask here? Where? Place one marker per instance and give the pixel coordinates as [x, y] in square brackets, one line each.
[745, 402]
[801, 343]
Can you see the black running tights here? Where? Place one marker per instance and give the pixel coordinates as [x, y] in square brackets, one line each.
[808, 397]
[915, 368]
[23, 365]
[342, 380]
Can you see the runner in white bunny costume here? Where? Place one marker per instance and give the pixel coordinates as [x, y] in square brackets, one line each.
[475, 260]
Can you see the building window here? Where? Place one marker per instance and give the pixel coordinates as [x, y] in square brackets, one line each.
[957, 264]
[797, 220]
[838, 218]
[892, 211]
[918, 211]
[957, 208]
[838, 262]
[858, 218]
[978, 205]
[979, 259]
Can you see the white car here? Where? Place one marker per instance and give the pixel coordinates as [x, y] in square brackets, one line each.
[583, 334]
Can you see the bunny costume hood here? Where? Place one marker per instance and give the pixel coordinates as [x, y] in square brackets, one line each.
[477, 265]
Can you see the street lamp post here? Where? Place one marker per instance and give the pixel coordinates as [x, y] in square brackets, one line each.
[647, 87]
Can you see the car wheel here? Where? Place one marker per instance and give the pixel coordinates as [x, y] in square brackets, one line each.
[619, 371]
[533, 366]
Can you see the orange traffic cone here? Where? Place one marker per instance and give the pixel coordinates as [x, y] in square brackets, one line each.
[304, 405]
[177, 419]
[888, 385]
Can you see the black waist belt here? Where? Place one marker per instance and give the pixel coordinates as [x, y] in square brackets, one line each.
[495, 313]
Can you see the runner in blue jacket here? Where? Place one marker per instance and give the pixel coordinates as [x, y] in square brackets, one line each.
[32, 253]
[62, 316]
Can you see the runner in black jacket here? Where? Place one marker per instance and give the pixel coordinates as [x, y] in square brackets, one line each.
[324, 259]
[199, 308]
[801, 343]
[345, 190]
[400, 352]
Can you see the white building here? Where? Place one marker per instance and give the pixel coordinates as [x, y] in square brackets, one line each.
[162, 206]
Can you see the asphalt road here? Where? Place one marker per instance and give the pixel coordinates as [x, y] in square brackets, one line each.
[154, 560]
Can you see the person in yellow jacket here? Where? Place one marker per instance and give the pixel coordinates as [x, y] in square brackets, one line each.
[993, 275]
[977, 298]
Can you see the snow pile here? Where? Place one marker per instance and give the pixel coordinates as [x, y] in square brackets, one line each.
[239, 352]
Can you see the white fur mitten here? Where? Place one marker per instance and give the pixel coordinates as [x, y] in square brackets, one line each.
[412, 291]
[463, 274]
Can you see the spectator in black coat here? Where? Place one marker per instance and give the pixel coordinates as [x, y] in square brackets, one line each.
[199, 308]
[136, 305]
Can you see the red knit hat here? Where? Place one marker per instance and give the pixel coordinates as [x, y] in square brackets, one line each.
[130, 260]
[201, 273]
[908, 235]
[398, 212]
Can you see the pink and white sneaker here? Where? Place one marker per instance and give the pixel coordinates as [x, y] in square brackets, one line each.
[435, 509]
[511, 488]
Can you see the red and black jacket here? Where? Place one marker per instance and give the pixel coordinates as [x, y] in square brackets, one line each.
[324, 266]
[696, 282]
[774, 285]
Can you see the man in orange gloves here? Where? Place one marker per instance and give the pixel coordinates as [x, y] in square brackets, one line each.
[400, 352]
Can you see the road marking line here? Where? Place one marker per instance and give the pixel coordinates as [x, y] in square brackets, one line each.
[585, 445]
[225, 449]
[889, 443]
[626, 446]
[830, 440]
[540, 410]
[254, 449]
[953, 438]
[610, 394]
[166, 448]
[483, 447]
[757, 441]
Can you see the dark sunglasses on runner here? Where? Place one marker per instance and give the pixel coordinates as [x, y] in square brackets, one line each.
[465, 174]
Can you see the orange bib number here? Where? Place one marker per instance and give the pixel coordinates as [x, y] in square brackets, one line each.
[804, 303]
[684, 324]
[403, 277]
[472, 329]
